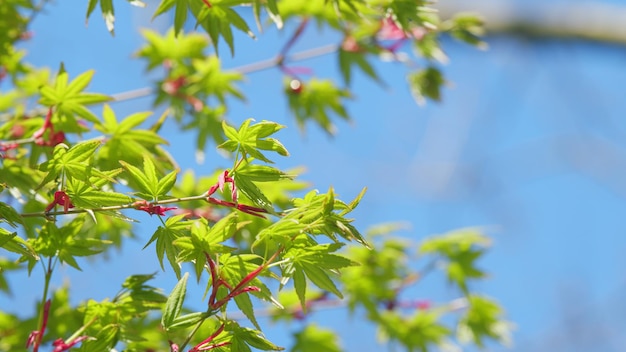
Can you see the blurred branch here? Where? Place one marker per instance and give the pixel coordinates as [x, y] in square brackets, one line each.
[245, 69]
[591, 21]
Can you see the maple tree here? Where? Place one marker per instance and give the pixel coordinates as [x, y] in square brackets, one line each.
[249, 231]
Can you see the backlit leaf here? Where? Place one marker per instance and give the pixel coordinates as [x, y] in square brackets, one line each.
[174, 304]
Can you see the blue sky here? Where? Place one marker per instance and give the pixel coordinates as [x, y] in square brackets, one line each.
[528, 141]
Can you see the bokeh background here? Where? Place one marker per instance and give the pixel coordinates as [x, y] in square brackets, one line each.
[529, 142]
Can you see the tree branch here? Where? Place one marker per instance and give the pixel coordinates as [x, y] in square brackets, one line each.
[590, 20]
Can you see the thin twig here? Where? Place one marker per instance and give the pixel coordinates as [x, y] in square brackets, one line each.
[132, 94]
[110, 208]
[36, 10]
[455, 305]
[245, 69]
[271, 312]
[294, 37]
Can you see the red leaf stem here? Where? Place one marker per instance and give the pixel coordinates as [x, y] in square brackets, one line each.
[207, 340]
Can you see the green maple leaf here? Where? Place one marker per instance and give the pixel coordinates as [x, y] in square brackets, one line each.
[69, 98]
[251, 139]
[73, 163]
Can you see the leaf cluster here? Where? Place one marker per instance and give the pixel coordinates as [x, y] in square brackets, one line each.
[251, 234]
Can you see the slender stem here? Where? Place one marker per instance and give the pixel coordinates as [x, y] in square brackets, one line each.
[315, 52]
[258, 66]
[314, 305]
[202, 345]
[429, 268]
[81, 330]
[19, 141]
[112, 207]
[241, 286]
[162, 221]
[47, 277]
[36, 10]
[273, 257]
[132, 94]
[214, 278]
[237, 160]
[294, 37]
[326, 304]
[278, 263]
[193, 332]
[41, 321]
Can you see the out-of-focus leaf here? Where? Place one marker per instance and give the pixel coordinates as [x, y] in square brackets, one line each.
[313, 339]
[317, 100]
[179, 48]
[481, 321]
[426, 83]
[9, 215]
[350, 59]
[467, 27]
[460, 249]
[13, 243]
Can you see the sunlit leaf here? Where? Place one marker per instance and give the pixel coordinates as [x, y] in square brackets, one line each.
[174, 304]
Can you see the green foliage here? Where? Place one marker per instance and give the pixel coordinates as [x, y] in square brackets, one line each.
[376, 279]
[70, 100]
[314, 215]
[11, 242]
[426, 83]
[72, 163]
[377, 284]
[13, 24]
[253, 234]
[151, 187]
[313, 338]
[315, 262]
[9, 215]
[350, 59]
[420, 332]
[315, 101]
[194, 82]
[64, 243]
[126, 141]
[175, 49]
[468, 28]
[483, 320]
[218, 20]
[249, 140]
[88, 194]
[111, 321]
[243, 339]
[174, 304]
[460, 250]
[165, 237]
[206, 239]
